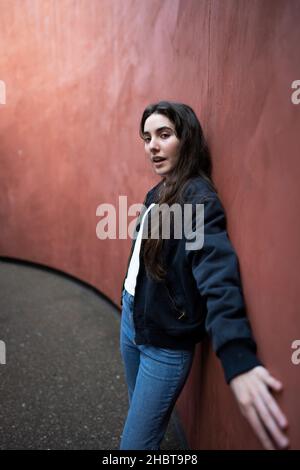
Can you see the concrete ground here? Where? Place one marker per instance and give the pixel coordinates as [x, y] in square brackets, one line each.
[63, 384]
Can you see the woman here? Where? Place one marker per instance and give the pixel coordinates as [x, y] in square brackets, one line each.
[173, 293]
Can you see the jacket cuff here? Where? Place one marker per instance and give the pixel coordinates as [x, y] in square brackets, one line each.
[237, 357]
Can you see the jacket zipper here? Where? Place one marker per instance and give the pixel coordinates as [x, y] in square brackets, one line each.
[131, 251]
[129, 258]
[182, 312]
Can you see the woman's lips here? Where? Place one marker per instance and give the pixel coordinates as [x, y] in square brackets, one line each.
[159, 161]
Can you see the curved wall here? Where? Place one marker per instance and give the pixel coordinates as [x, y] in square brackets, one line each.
[77, 77]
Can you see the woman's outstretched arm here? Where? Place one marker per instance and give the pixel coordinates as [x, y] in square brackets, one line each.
[215, 268]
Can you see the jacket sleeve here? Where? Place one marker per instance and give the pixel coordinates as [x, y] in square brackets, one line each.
[215, 269]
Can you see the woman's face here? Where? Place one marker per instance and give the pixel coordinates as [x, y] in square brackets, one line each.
[161, 143]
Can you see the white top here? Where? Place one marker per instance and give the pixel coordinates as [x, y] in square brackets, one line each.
[134, 265]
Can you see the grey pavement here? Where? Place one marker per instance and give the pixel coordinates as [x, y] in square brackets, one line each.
[63, 384]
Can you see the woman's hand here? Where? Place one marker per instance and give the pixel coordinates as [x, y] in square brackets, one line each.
[257, 405]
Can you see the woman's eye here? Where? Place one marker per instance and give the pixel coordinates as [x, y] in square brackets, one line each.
[163, 136]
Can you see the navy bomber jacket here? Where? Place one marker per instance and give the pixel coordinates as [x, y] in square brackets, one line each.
[202, 291]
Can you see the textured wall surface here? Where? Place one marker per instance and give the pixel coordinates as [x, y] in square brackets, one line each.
[77, 75]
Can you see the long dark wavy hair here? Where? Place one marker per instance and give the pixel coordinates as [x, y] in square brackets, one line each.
[194, 160]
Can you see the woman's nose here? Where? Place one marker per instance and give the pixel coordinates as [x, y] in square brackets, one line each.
[153, 145]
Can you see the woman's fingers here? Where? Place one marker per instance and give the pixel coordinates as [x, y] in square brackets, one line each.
[274, 383]
[251, 415]
[257, 404]
[272, 405]
[268, 378]
[269, 422]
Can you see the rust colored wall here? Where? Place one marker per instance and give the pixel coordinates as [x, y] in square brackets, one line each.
[78, 75]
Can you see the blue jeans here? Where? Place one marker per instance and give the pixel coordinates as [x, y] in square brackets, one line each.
[155, 377]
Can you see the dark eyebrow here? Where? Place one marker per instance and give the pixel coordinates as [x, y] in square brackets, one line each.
[160, 129]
